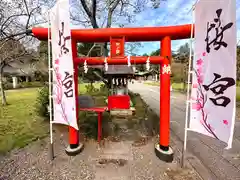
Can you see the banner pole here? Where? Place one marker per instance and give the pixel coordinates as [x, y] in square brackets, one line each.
[188, 99]
[50, 91]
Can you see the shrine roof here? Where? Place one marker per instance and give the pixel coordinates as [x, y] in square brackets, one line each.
[119, 69]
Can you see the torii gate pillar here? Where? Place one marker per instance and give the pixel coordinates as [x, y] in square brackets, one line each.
[162, 149]
[74, 147]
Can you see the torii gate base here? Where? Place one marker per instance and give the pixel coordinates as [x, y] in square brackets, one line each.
[73, 151]
[163, 34]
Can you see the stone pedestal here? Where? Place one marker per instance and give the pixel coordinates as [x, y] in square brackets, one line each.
[73, 151]
[166, 156]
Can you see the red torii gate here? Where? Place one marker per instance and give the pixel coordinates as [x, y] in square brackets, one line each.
[113, 35]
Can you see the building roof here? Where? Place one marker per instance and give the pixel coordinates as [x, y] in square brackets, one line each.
[119, 69]
[115, 69]
[18, 69]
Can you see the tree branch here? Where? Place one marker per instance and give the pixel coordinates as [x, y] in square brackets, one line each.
[14, 35]
[25, 2]
[29, 17]
[114, 5]
[89, 13]
[83, 2]
[94, 7]
[110, 12]
[12, 16]
[77, 20]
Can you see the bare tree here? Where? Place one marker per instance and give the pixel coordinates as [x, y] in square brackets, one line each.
[105, 13]
[16, 17]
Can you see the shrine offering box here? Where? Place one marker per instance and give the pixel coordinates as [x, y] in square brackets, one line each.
[118, 102]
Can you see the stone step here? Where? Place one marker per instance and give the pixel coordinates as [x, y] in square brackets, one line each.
[117, 150]
[123, 112]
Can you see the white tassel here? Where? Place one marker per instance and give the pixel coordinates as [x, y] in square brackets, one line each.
[129, 61]
[148, 64]
[85, 66]
[105, 64]
[134, 69]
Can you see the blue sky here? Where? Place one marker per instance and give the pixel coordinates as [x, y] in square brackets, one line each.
[170, 12]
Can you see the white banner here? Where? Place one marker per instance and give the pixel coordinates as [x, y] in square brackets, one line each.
[213, 98]
[64, 105]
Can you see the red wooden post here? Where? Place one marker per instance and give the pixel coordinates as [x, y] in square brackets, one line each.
[74, 146]
[165, 96]
[163, 151]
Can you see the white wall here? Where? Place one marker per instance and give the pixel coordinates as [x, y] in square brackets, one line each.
[15, 82]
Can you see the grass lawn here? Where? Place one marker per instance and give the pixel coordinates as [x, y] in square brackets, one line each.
[19, 124]
[152, 83]
[82, 87]
[238, 94]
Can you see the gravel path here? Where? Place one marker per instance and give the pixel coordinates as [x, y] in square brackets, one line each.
[136, 163]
